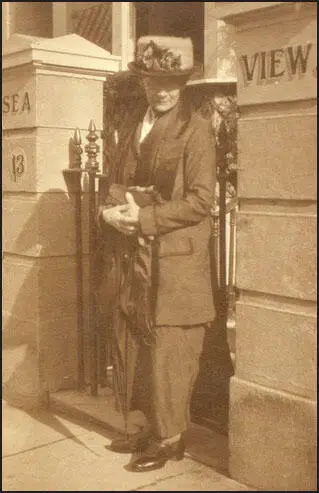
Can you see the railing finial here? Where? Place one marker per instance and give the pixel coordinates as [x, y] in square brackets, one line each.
[92, 149]
[77, 148]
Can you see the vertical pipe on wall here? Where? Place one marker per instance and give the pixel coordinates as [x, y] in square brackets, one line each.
[8, 20]
[123, 31]
[60, 18]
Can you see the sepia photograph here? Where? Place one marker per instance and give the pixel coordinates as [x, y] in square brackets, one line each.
[159, 246]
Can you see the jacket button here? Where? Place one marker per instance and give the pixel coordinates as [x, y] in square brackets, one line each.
[125, 257]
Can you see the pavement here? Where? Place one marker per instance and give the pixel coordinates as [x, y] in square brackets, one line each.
[50, 450]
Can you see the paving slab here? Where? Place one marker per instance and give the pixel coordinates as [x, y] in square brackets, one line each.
[23, 430]
[84, 464]
[45, 451]
[201, 479]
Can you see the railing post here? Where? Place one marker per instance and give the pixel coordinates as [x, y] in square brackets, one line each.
[92, 168]
[231, 289]
[73, 176]
[222, 177]
[79, 258]
[215, 243]
[103, 340]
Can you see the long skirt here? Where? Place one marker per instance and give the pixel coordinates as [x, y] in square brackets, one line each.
[158, 379]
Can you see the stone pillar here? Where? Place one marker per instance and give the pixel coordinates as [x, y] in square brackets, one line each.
[123, 31]
[50, 87]
[273, 393]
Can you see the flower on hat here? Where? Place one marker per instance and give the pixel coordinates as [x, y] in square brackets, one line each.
[171, 61]
[157, 58]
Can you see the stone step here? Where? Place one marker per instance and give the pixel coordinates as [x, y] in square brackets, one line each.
[204, 445]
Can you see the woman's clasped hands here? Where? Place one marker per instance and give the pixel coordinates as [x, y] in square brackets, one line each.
[124, 218]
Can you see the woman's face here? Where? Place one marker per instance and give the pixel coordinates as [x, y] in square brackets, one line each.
[163, 93]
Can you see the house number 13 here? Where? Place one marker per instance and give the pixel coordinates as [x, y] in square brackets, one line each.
[18, 164]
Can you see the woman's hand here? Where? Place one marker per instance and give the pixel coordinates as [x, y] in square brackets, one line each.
[124, 218]
[114, 217]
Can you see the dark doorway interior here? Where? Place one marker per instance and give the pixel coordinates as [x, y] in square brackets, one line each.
[33, 18]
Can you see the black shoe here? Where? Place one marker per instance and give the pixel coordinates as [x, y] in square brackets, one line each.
[151, 460]
[133, 443]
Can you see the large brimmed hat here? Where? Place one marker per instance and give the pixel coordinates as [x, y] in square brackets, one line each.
[163, 56]
[225, 76]
[216, 81]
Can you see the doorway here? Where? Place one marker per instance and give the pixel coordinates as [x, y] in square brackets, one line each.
[210, 399]
[211, 396]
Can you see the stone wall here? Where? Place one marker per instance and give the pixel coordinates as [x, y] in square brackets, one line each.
[42, 105]
[273, 393]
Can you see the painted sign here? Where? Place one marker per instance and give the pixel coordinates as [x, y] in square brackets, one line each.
[17, 103]
[278, 74]
[18, 163]
[266, 67]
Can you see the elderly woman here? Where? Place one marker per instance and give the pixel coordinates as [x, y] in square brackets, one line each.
[158, 209]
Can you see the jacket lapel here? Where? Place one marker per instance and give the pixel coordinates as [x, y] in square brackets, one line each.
[151, 144]
[166, 126]
[124, 146]
[166, 129]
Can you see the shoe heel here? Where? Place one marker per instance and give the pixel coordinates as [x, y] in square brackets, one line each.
[179, 455]
[180, 451]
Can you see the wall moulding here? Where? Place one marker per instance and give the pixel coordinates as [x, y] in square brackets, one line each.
[65, 51]
[246, 17]
[279, 109]
[279, 206]
[280, 303]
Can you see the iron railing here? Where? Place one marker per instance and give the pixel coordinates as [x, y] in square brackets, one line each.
[99, 346]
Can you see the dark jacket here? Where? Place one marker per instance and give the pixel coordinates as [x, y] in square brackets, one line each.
[178, 157]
